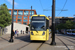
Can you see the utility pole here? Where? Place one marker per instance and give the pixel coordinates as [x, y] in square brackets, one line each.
[11, 39]
[31, 10]
[53, 23]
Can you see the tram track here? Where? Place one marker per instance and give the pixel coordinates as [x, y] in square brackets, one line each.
[40, 46]
[30, 43]
[44, 42]
[70, 37]
[24, 46]
[63, 43]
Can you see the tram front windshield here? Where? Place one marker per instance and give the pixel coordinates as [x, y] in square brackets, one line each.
[38, 26]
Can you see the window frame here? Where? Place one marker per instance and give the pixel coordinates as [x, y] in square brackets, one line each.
[19, 12]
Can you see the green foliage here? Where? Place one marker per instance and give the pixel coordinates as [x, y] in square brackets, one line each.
[61, 26]
[28, 24]
[74, 25]
[68, 25]
[5, 17]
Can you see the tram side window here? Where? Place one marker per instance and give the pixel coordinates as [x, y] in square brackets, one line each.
[47, 24]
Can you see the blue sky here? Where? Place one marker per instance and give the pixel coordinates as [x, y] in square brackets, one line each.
[46, 4]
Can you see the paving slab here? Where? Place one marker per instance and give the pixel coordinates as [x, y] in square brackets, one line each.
[16, 46]
[69, 42]
[32, 46]
[47, 46]
[5, 44]
[23, 43]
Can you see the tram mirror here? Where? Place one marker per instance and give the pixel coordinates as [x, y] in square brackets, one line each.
[32, 27]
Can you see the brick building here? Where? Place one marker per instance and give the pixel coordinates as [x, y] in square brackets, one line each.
[22, 16]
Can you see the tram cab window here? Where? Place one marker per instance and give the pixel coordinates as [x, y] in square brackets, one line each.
[39, 26]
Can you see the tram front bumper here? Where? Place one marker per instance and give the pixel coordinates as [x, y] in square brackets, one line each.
[38, 38]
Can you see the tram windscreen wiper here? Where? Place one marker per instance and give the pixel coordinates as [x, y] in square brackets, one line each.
[36, 30]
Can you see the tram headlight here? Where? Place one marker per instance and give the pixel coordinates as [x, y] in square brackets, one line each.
[43, 33]
[31, 33]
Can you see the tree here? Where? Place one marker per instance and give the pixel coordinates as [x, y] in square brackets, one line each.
[74, 25]
[60, 26]
[28, 24]
[69, 24]
[5, 17]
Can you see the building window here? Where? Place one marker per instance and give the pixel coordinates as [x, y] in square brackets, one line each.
[25, 17]
[26, 12]
[14, 19]
[19, 17]
[14, 16]
[29, 20]
[25, 20]
[20, 12]
[25, 23]
[29, 17]
[15, 12]
[32, 13]
[19, 20]
[10, 12]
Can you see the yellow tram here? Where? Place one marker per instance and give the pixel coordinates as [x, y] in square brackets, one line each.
[39, 28]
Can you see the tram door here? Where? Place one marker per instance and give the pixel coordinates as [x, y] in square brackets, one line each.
[26, 30]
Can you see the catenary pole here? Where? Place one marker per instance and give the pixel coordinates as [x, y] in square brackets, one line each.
[53, 23]
[31, 10]
[11, 39]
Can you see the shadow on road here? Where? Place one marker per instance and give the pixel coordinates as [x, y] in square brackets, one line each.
[24, 38]
[37, 41]
[4, 39]
[27, 39]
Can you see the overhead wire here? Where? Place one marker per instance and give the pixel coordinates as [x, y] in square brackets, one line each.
[63, 7]
[41, 5]
[6, 1]
[9, 3]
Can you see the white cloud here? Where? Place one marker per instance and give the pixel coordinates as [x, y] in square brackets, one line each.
[15, 3]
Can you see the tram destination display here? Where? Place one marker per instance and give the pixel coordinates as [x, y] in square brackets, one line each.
[38, 17]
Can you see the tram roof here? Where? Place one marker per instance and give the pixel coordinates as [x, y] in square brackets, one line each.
[40, 16]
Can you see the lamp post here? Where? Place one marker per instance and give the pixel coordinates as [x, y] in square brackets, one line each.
[53, 23]
[31, 10]
[11, 39]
